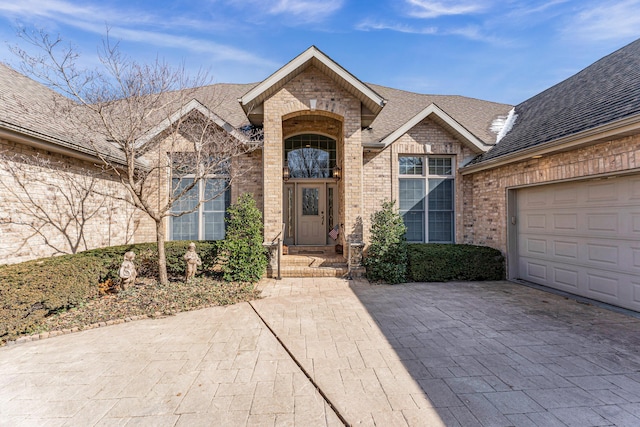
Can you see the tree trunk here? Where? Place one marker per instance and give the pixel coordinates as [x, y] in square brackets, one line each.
[162, 257]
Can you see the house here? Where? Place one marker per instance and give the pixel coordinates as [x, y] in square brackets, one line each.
[552, 182]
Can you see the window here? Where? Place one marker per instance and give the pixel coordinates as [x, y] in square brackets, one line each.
[310, 156]
[207, 221]
[426, 198]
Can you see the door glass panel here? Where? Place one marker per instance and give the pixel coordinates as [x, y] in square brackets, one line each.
[310, 201]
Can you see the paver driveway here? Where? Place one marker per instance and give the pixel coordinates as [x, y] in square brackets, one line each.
[488, 354]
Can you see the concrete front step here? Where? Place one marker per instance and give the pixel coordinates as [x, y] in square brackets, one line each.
[313, 261]
[299, 271]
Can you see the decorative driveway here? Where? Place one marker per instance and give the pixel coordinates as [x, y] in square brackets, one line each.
[329, 352]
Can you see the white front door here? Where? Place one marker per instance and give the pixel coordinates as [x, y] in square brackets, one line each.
[311, 214]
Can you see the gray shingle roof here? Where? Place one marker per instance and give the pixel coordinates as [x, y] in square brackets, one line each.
[604, 92]
[18, 91]
[474, 114]
[33, 109]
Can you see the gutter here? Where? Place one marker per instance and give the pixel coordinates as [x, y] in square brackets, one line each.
[629, 125]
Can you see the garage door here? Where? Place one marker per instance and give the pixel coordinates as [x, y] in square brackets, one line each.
[582, 237]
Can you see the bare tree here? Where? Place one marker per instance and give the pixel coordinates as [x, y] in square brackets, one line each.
[61, 215]
[149, 124]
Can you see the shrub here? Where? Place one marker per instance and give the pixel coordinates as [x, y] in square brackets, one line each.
[386, 258]
[432, 262]
[245, 258]
[32, 290]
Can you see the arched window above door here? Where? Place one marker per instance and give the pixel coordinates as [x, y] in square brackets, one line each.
[310, 156]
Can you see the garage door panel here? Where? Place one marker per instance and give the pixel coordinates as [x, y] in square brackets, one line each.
[583, 238]
[601, 192]
[534, 269]
[634, 189]
[537, 221]
[607, 221]
[599, 284]
[566, 277]
[635, 223]
[565, 249]
[602, 254]
[565, 221]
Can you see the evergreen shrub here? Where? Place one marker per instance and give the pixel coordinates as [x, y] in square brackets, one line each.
[386, 257]
[433, 262]
[244, 257]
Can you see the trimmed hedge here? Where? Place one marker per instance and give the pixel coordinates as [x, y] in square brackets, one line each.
[32, 290]
[433, 262]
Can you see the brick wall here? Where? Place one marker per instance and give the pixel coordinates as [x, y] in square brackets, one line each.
[337, 113]
[107, 221]
[486, 200]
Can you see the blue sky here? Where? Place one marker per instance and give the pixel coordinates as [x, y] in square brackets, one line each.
[498, 50]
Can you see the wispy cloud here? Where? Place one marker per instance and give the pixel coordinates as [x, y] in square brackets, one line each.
[610, 21]
[370, 25]
[471, 32]
[434, 9]
[303, 11]
[130, 27]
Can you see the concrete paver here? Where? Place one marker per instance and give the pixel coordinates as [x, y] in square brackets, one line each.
[218, 366]
[492, 353]
[454, 354]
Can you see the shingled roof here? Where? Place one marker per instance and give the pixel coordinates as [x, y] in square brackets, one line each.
[23, 108]
[603, 93]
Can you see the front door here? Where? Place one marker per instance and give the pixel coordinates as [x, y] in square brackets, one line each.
[311, 214]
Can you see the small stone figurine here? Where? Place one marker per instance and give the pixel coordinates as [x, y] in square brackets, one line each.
[127, 271]
[193, 261]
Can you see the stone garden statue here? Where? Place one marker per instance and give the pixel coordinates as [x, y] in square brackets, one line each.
[193, 261]
[127, 270]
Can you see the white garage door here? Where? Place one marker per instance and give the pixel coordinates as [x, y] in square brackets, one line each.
[583, 238]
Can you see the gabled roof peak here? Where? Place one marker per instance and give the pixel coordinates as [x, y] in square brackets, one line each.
[252, 101]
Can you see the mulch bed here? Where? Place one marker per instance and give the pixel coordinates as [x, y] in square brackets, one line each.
[147, 298]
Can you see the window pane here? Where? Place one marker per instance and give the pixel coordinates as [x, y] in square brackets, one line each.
[184, 227]
[310, 156]
[310, 198]
[440, 194]
[412, 208]
[189, 200]
[410, 165]
[414, 221]
[440, 166]
[412, 194]
[214, 210]
[213, 225]
[309, 163]
[441, 227]
[441, 210]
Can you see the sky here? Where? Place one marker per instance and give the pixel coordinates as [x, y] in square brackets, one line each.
[497, 50]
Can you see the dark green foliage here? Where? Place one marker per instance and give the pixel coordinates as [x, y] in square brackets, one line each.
[386, 258]
[245, 258]
[434, 262]
[32, 290]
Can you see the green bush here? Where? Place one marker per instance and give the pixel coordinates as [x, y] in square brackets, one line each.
[386, 258]
[32, 290]
[245, 258]
[434, 262]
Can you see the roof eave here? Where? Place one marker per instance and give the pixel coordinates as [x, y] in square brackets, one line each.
[371, 99]
[619, 128]
[433, 110]
[52, 144]
[193, 105]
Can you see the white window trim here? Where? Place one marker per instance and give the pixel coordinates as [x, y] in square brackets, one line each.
[426, 177]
